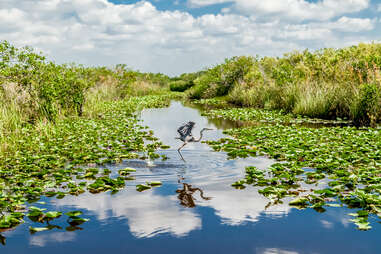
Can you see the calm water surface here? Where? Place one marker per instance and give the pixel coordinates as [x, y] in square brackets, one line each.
[195, 210]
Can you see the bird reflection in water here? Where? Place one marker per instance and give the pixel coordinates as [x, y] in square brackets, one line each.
[2, 239]
[185, 195]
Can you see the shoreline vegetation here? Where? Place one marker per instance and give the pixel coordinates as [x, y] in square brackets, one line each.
[36, 92]
[328, 83]
[56, 118]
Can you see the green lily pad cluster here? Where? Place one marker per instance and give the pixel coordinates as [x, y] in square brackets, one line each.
[50, 162]
[328, 166]
[126, 171]
[11, 220]
[105, 183]
[147, 186]
[212, 102]
[37, 215]
[266, 116]
[74, 219]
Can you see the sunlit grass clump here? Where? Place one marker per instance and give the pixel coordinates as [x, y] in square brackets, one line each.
[328, 83]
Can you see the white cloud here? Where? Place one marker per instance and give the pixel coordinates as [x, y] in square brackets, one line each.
[301, 9]
[236, 207]
[353, 24]
[97, 32]
[326, 224]
[148, 214]
[274, 251]
[201, 3]
[57, 237]
[295, 9]
[325, 31]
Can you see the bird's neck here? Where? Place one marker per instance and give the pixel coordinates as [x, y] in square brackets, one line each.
[199, 139]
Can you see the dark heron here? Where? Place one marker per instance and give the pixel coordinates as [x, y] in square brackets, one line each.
[186, 136]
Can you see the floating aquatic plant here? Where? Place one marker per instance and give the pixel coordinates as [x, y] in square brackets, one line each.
[53, 163]
[344, 166]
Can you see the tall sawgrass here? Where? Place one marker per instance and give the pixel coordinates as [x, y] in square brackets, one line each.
[35, 93]
[328, 83]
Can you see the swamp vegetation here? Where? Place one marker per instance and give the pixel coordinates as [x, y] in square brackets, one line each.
[329, 83]
[317, 114]
[54, 118]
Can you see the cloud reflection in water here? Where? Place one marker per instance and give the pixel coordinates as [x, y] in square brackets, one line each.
[154, 212]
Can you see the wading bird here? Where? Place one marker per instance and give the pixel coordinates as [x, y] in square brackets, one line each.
[186, 136]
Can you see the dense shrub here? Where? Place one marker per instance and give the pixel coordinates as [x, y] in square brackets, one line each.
[183, 82]
[366, 109]
[219, 80]
[180, 85]
[33, 89]
[327, 83]
[49, 88]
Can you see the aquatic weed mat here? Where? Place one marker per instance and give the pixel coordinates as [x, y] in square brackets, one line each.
[52, 163]
[268, 116]
[346, 161]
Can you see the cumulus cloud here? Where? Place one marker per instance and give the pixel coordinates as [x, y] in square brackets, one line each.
[303, 10]
[57, 237]
[237, 207]
[353, 24]
[274, 251]
[201, 3]
[148, 214]
[296, 9]
[98, 32]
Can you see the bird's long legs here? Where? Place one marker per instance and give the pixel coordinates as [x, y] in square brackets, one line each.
[178, 150]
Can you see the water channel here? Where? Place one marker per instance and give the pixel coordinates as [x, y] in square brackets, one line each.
[195, 210]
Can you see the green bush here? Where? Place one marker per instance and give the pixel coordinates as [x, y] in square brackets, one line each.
[219, 80]
[37, 89]
[367, 105]
[327, 83]
[180, 85]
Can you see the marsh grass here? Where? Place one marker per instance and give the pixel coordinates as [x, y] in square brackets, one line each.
[328, 83]
[36, 93]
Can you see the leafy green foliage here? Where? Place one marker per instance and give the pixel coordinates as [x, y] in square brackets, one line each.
[179, 85]
[366, 111]
[264, 116]
[34, 90]
[328, 83]
[183, 82]
[219, 80]
[50, 88]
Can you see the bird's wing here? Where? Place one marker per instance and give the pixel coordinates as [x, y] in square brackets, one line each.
[185, 130]
[182, 130]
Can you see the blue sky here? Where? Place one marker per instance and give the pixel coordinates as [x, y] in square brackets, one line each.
[176, 36]
[181, 5]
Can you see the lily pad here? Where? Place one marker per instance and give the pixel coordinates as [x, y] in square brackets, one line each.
[142, 187]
